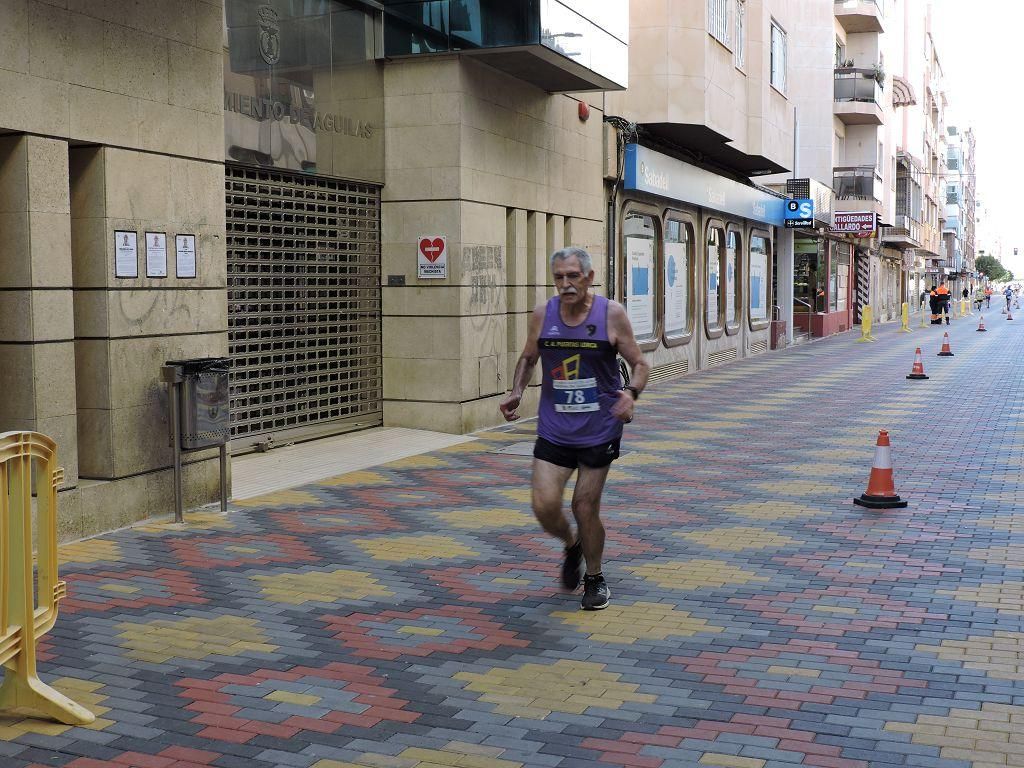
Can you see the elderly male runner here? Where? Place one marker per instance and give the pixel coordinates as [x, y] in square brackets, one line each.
[583, 406]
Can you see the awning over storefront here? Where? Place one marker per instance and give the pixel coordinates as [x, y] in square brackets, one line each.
[658, 174]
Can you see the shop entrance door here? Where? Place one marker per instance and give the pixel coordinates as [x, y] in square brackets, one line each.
[304, 305]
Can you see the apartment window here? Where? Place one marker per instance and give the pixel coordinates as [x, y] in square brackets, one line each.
[778, 62]
[952, 194]
[718, 20]
[840, 54]
[740, 51]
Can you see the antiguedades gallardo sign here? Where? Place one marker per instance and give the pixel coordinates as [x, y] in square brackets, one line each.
[272, 109]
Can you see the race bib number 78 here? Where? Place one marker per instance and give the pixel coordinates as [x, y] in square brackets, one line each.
[575, 395]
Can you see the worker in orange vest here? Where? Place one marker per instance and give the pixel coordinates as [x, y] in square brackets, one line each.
[942, 293]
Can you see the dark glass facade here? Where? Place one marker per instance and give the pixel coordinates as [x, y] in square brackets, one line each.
[303, 87]
[595, 40]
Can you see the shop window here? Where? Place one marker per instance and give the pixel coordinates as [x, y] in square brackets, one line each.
[842, 281]
[641, 241]
[759, 276]
[732, 257]
[713, 300]
[678, 247]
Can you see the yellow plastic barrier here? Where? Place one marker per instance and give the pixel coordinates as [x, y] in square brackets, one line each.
[905, 319]
[865, 324]
[966, 311]
[26, 614]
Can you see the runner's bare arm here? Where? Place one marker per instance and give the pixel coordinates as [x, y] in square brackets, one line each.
[509, 406]
[620, 334]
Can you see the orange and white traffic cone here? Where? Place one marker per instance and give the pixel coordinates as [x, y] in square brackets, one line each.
[981, 325]
[945, 351]
[881, 492]
[917, 372]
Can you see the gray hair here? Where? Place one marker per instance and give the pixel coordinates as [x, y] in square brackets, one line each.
[567, 253]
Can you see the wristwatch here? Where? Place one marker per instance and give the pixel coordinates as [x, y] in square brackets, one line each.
[634, 390]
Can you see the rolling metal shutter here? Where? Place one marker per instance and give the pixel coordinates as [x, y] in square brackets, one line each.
[304, 306]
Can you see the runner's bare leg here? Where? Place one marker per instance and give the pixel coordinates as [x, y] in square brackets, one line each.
[549, 481]
[586, 508]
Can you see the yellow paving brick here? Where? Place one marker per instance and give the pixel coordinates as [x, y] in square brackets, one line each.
[289, 697]
[730, 761]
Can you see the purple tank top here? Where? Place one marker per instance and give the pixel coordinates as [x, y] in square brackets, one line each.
[581, 379]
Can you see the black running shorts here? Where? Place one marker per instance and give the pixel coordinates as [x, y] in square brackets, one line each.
[569, 457]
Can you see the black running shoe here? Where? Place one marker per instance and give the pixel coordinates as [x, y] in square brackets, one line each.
[595, 593]
[571, 566]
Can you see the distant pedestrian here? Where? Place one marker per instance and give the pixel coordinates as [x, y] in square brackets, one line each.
[979, 297]
[933, 305]
[1008, 294]
[988, 296]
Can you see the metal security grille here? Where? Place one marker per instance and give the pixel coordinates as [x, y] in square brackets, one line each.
[304, 312]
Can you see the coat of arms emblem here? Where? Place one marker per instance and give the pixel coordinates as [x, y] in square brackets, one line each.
[269, 32]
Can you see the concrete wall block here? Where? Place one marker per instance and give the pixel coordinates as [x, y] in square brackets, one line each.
[63, 430]
[195, 78]
[50, 249]
[16, 316]
[136, 63]
[166, 312]
[99, 116]
[17, 382]
[92, 374]
[138, 185]
[52, 315]
[14, 35]
[52, 368]
[13, 174]
[15, 254]
[409, 378]
[86, 51]
[138, 438]
[49, 38]
[421, 337]
[166, 128]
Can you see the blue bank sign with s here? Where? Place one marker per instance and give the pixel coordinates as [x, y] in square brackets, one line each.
[799, 213]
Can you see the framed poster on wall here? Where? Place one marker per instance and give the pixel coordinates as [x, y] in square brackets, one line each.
[640, 285]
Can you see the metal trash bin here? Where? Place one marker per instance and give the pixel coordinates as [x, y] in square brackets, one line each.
[204, 415]
[198, 415]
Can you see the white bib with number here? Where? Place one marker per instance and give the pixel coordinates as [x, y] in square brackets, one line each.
[575, 395]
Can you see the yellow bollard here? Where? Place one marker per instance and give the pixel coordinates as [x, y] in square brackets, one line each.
[24, 455]
[865, 324]
[967, 308]
[905, 319]
[923, 305]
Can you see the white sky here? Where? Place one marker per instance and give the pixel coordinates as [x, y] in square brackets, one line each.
[982, 55]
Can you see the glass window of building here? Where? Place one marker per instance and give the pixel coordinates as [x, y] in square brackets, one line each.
[759, 276]
[678, 244]
[778, 57]
[640, 245]
[732, 250]
[713, 300]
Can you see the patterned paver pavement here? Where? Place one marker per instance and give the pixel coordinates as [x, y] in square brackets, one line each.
[407, 616]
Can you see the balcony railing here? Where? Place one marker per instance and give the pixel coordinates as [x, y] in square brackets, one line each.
[857, 183]
[857, 85]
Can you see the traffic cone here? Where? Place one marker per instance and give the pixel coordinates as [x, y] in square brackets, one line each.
[881, 492]
[945, 351]
[981, 325]
[917, 372]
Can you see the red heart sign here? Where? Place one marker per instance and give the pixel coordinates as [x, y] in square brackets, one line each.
[432, 249]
